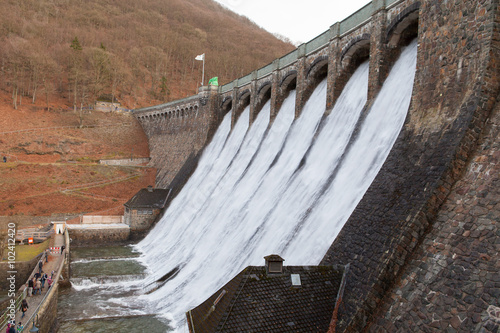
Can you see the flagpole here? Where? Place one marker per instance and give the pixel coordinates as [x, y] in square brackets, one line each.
[203, 71]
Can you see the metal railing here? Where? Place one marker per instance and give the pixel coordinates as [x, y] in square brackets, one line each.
[5, 317]
[21, 235]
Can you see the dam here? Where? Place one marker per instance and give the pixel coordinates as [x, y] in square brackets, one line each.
[373, 145]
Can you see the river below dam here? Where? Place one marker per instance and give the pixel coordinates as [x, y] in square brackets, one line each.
[100, 278]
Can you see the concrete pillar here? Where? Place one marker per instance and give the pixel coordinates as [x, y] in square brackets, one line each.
[301, 80]
[234, 108]
[332, 93]
[378, 50]
[275, 103]
[253, 98]
[209, 104]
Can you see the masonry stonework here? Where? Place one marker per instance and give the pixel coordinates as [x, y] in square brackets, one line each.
[455, 88]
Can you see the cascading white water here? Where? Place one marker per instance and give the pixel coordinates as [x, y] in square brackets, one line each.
[287, 189]
[261, 193]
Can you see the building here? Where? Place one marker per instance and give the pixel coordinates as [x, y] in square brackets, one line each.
[273, 298]
[144, 207]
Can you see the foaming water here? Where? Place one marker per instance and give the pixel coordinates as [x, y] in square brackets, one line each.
[285, 188]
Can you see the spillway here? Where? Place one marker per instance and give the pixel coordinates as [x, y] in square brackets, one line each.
[284, 188]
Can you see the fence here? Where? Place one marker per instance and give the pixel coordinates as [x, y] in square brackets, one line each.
[21, 235]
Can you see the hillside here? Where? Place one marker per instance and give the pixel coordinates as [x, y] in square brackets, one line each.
[139, 52]
[58, 56]
[52, 163]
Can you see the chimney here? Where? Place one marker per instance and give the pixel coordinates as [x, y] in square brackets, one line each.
[150, 188]
[274, 264]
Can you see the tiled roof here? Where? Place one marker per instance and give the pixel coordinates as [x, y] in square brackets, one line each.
[149, 198]
[256, 302]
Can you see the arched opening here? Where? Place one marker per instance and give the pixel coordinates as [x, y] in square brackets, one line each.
[263, 95]
[226, 105]
[243, 102]
[287, 84]
[404, 27]
[401, 31]
[316, 73]
[354, 54]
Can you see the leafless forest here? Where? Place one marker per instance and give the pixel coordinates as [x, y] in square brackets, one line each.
[137, 52]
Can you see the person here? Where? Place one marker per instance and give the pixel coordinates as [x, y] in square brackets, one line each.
[40, 265]
[5, 159]
[47, 252]
[38, 287]
[24, 307]
[20, 327]
[8, 328]
[11, 328]
[30, 287]
[49, 281]
[43, 278]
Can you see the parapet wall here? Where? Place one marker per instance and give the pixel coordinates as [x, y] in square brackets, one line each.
[455, 90]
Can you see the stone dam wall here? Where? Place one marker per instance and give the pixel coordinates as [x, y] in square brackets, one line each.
[423, 242]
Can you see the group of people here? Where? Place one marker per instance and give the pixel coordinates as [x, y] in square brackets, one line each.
[37, 283]
[11, 327]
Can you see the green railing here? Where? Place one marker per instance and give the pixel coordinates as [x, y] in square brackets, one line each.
[338, 29]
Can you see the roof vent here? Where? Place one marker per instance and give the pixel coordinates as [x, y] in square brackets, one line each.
[274, 264]
[150, 188]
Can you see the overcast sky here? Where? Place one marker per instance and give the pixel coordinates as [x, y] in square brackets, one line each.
[299, 20]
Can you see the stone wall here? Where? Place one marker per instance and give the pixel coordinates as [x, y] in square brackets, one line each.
[452, 281]
[177, 130]
[98, 236]
[455, 88]
[23, 268]
[47, 314]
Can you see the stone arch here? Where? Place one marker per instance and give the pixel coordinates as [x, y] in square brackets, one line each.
[318, 68]
[242, 103]
[404, 26]
[289, 81]
[263, 95]
[356, 47]
[226, 105]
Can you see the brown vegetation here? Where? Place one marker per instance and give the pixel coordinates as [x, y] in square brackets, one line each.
[140, 52]
[58, 56]
[52, 162]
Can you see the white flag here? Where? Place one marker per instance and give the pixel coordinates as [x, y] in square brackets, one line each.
[200, 57]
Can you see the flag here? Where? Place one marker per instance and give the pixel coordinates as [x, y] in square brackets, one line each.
[213, 81]
[200, 57]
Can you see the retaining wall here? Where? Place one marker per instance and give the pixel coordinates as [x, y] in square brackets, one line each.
[99, 235]
[23, 268]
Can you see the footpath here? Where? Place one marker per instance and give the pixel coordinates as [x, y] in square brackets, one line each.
[55, 260]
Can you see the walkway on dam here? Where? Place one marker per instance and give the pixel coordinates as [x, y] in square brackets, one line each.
[55, 260]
